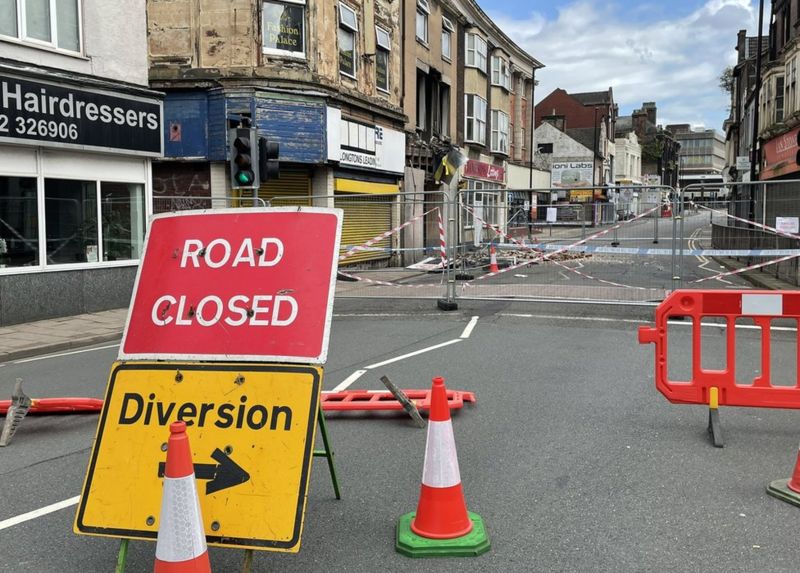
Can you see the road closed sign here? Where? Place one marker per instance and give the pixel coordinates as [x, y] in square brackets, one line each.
[251, 429]
[235, 284]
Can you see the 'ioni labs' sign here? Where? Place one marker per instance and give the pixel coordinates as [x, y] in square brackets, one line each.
[251, 428]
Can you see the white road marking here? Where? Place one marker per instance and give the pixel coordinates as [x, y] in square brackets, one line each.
[468, 330]
[24, 360]
[349, 380]
[410, 354]
[12, 521]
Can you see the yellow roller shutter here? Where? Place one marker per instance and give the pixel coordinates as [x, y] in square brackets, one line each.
[292, 188]
[365, 217]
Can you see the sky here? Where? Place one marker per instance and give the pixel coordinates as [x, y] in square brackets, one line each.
[668, 51]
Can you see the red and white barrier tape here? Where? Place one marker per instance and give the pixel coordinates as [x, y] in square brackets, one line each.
[382, 236]
[442, 243]
[553, 253]
[754, 224]
[750, 268]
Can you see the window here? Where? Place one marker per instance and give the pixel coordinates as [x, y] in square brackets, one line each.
[283, 27]
[19, 233]
[52, 23]
[499, 132]
[485, 205]
[423, 10]
[475, 129]
[383, 47]
[779, 98]
[444, 110]
[791, 94]
[422, 97]
[500, 73]
[72, 230]
[447, 37]
[476, 52]
[348, 27]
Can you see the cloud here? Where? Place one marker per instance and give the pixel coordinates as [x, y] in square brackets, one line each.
[676, 63]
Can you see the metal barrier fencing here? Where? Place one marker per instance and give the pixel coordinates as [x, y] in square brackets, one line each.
[630, 245]
[172, 203]
[731, 229]
[577, 245]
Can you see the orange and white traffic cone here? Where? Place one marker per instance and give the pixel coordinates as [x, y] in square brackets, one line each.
[181, 545]
[493, 268]
[441, 526]
[787, 489]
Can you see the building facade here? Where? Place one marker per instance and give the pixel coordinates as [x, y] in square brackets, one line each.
[702, 159]
[629, 160]
[78, 131]
[322, 79]
[589, 118]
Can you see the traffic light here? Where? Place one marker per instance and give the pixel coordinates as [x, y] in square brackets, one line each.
[244, 170]
[268, 164]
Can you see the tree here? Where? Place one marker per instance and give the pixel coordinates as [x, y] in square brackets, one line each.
[726, 80]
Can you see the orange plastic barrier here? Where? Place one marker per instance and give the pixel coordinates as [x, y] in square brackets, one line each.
[760, 306]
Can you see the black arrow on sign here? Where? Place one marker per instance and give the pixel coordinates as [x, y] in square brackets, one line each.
[224, 474]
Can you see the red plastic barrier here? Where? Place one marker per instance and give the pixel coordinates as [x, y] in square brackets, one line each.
[760, 306]
[365, 400]
[59, 405]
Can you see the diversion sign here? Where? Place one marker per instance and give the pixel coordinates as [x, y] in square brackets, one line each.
[62, 115]
[251, 430]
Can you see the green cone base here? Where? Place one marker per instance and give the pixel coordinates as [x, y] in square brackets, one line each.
[474, 543]
[780, 489]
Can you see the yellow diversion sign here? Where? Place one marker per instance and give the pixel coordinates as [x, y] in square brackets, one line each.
[251, 428]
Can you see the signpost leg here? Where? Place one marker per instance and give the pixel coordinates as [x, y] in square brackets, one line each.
[248, 561]
[327, 452]
[122, 557]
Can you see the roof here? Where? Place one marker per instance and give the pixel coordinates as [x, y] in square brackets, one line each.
[624, 125]
[583, 135]
[592, 98]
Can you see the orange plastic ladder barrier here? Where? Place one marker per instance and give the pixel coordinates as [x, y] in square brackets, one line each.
[367, 400]
[762, 307]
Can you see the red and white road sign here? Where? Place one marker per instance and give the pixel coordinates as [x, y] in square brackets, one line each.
[235, 284]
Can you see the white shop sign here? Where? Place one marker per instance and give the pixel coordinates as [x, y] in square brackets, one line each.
[365, 146]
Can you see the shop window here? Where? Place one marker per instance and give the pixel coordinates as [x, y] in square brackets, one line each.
[486, 205]
[19, 222]
[499, 132]
[50, 23]
[123, 217]
[447, 38]
[71, 221]
[423, 10]
[348, 28]
[476, 52]
[475, 128]
[283, 27]
[382, 49]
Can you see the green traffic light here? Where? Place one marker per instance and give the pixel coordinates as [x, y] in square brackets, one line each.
[245, 177]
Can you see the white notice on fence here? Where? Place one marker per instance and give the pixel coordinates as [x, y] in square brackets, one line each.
[551, 214]
[787, 224]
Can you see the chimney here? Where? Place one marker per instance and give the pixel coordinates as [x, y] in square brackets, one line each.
[649, 107]
[639, 121]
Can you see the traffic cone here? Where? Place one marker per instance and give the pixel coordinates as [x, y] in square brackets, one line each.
[441, 526]
[787, 489]
[493, 268]
[181, 545]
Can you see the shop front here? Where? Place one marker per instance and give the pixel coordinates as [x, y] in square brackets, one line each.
[484, 200]
[368, 163]
[75, 188]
